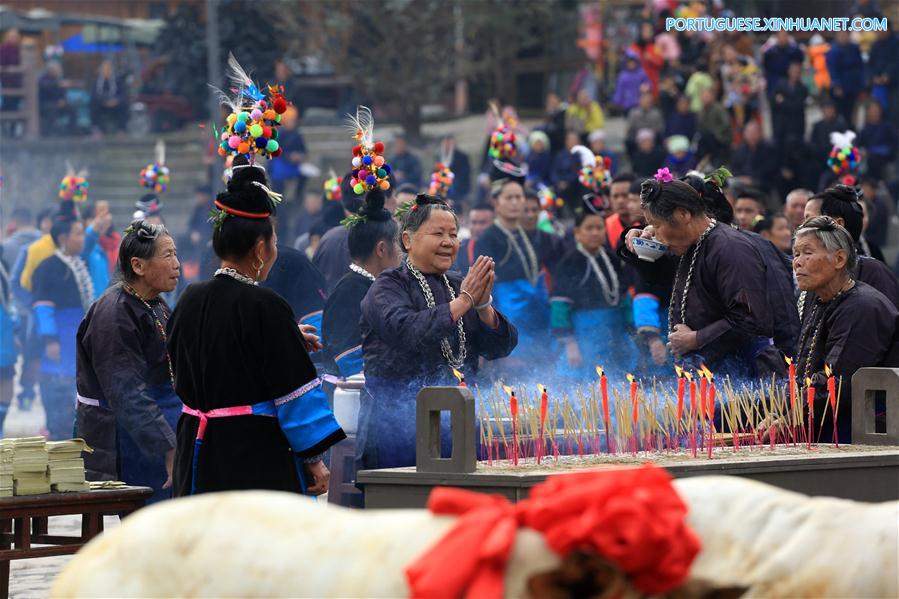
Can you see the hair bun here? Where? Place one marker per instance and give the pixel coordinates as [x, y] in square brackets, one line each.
[844, 193]
[650, 190]
[423, 199]
[373, 206]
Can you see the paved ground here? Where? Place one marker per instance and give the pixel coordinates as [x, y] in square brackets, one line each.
[32, 578]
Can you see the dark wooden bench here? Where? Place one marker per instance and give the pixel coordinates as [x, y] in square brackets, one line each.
[24, 519]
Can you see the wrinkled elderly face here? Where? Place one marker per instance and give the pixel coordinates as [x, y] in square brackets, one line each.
[160, 272]
[434, 246]
[813, 265]
[674, 233]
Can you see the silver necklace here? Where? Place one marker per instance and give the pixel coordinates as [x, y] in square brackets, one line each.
[610, 292]
[82, 278]
[361, 271]
[452, 359]
[230, 272]
[683, 297]
[806, 354]
[529, 263]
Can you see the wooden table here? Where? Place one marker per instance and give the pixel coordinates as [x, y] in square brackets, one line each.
[23, 522]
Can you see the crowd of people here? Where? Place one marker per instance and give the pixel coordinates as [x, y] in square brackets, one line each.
[565, 254]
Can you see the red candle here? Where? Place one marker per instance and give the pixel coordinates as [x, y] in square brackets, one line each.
[460, 377]
[703, 394]
[710, 411]
[792, 394]
[832, 397]
[810, 399]
[513, 409]
[692, 409]
[681, 387]
[604, 389]
[633, 383]
[692, 392]
[544, 399]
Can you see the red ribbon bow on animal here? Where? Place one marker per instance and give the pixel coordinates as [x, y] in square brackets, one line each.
[632, 517]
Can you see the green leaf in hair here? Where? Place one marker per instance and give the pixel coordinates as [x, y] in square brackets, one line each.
[719, 176]
[217, 218]
[403, 209]
[353, 220]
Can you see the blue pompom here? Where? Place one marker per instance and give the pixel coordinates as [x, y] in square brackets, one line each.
[371, 180]
[261, 142]
[240, 127]
[366, 160]
[387, 168]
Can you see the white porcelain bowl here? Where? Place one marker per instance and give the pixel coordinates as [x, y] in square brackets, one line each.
[649, 250]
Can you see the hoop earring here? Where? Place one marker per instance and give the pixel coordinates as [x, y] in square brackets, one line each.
[258, 268]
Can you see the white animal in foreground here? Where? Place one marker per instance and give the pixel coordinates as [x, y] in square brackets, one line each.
[771, 542]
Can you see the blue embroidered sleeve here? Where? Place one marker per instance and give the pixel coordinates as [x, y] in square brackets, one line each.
[306, 419]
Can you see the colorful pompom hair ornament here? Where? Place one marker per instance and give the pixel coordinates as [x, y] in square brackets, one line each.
[73, 186]
[441, 180]
[251, 128]
[845, 157]
[595, 173]
[502, 139]
[370, 169]
[156, 176]
[549, 201]
[332, 188]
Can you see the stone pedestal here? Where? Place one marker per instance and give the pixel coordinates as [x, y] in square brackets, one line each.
[866, 383]
[429, 404]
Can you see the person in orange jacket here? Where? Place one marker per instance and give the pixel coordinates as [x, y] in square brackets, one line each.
[817, 57]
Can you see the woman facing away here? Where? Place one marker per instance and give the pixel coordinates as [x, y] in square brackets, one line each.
[255, 416]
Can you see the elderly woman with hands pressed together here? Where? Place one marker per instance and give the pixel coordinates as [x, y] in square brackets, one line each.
[419, 321]
[849, 324]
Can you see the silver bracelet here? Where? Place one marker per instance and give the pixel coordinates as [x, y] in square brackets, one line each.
[486, 304]
[463, 292]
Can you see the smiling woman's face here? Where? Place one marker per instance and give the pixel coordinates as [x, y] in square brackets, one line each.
[434, 246]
